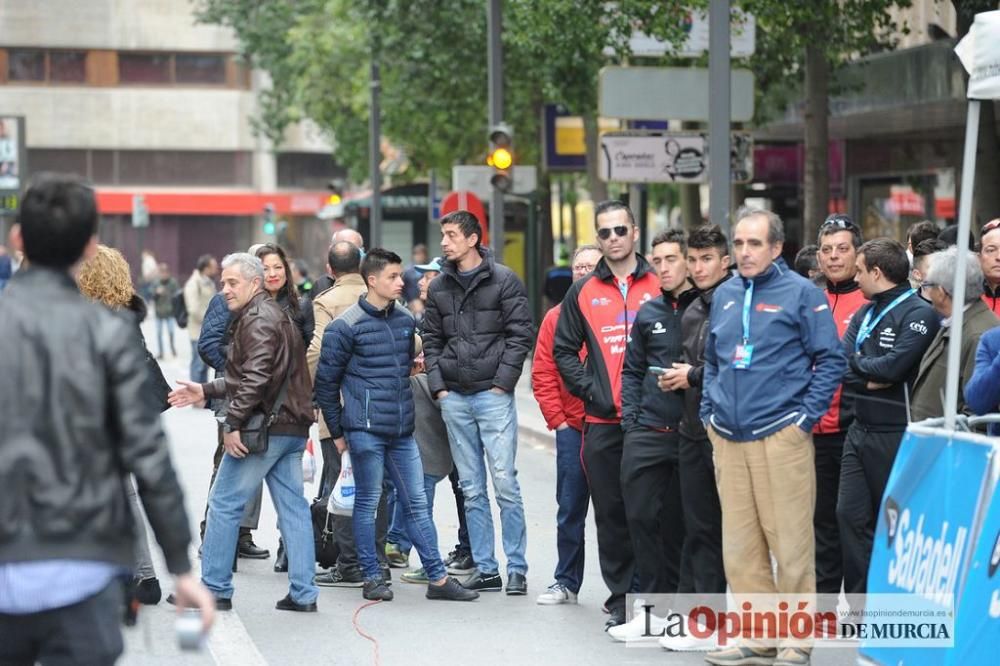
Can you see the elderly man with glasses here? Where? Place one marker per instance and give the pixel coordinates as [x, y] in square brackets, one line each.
[989, 261]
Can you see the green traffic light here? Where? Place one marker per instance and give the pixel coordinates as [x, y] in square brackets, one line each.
[269, 227]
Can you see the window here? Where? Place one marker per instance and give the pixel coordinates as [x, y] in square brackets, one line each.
[144, 68]
[200, 69]
[68, 66]
[26, 65]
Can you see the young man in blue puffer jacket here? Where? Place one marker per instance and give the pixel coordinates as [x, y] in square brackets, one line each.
[772, 363]
[366, 356]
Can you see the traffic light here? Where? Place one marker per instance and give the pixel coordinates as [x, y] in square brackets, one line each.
[269, 217]
[501, 157]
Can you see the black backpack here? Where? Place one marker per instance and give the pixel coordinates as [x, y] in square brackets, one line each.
[180, 308]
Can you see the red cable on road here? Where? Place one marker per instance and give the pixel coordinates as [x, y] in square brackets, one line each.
[361, 632]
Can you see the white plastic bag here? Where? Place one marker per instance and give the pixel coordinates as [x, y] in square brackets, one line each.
[308, 463]
[341, 502]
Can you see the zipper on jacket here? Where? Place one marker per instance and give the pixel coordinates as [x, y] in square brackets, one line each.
[399, 371]
[368, 421]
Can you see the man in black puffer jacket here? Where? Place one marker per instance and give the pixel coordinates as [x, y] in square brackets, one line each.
[477, 331]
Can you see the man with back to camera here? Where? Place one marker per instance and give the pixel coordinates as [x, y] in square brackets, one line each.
[563, 413]
[198, 292]
[63, 554]
[839, 239]
[884, 343]
[597, 314]
[650, 419]
[477, 331]
[772, 327]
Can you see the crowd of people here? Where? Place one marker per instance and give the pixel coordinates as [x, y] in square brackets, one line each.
[649, 372]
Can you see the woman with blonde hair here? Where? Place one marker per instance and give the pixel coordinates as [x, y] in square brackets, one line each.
[105, 278]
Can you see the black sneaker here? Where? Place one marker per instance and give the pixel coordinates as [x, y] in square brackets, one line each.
[484, 582]
[516, 584]
[617, 616]
[287, 604]
[147, 591]
[452, 590]
[460, 564]
[337, 577]
[220, 603]
[251, 551]
[376, 590]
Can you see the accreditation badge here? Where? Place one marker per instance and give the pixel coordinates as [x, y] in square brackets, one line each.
[742, 357]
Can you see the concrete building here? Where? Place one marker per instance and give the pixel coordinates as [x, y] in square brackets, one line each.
[141, 100]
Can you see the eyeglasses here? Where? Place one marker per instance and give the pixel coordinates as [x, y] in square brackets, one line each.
[928, 285]
[990, 226]
[584, 268]
[605, 234]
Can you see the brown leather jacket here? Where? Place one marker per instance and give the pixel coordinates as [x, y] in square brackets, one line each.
[265, 347]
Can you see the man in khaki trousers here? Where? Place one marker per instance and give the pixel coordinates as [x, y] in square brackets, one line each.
[772, 363]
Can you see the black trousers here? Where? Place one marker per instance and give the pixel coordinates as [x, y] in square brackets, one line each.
[602, 459]
[864, 472]
[84, 634]
[343, 526]
[829, 556]
[702, 567]
[651, 490]
[463, 546]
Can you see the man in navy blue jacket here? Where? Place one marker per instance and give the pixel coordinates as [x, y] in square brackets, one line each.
[366, 357]
[772, 363]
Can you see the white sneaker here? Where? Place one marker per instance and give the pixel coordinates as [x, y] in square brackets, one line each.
[635, 629]
[555, 595]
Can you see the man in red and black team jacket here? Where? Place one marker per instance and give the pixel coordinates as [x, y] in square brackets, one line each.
[839, 240]
[598, 312]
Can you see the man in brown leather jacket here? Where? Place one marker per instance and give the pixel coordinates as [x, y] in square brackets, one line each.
[265, 348]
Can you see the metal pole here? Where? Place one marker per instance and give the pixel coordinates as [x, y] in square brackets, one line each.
[374, 145]
[719, 114]
[495, 85]
[958, 289]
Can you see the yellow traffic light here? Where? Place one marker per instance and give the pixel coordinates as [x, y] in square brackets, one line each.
[334, 199]
[502, 158]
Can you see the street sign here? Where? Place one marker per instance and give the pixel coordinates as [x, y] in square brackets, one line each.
[476, 179]
[669, 93]
[12, 161]
[465, 200]
[669, 157]
[742, 44]
[140, 213]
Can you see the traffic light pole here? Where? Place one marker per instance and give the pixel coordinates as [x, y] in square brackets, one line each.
[374, 141]
[719, 114]
[495, 85]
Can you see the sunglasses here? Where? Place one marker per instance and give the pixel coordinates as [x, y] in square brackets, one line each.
[990, 226]
[839, 223]
[605, 234]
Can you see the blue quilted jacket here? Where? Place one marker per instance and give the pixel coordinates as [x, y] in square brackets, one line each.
[366, 358]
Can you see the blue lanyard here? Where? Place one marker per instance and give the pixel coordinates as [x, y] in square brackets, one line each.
[866, 328]
[747, 300]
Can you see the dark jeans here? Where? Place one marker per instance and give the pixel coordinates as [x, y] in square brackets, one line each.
[864, 472]
[85, 634]
[602, 457]
[343, 526]
[573, 499]
[651, 490]
[703, 572]
[463, 546]
[829, 557]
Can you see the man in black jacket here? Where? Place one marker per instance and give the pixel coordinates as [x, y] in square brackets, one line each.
[71, 429]
[650, 417]
[885, 343]
[477, 332]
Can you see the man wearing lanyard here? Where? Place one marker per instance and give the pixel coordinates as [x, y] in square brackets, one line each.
[772, 363]
[884, 343]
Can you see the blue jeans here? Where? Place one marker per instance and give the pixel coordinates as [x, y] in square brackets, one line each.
[165, 323]
[486, 422]
[573, 498]
[397, 520]
[235, 483]
[406, 528]
[371, 457]
[199, 371]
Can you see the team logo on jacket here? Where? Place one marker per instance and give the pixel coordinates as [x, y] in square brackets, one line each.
[918, 327]
[600, 301]
[645, 297]
[658, 328]
[820, 308]
[728, 305]
[767, 307]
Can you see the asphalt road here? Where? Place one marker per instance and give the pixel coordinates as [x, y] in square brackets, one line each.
[496, 629]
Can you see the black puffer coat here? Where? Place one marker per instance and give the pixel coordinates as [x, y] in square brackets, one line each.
[476, 338]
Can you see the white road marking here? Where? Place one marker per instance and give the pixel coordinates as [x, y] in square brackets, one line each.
[230, 642]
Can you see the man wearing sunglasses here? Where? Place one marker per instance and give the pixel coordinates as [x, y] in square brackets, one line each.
[989, 259]
[597, 313]
[839, 239]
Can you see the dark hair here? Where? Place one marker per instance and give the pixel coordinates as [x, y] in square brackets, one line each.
[671, 236]
[836, 223]
[467, 223]
[950, 236]
[920, 232]
[707, 236]
[344, 258]
[58, 217]
[610, 206]
[805, 261]
[376, 259]
[288, 293]
[204, 261]
[926, 247]
[887, 255]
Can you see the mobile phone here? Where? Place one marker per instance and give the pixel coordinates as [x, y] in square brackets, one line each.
[656, 370]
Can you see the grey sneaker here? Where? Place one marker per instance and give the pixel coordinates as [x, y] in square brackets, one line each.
[376, 590]
[452, 590]
[417, 576]
[337, 577]
[742, 656]
[555, 595]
